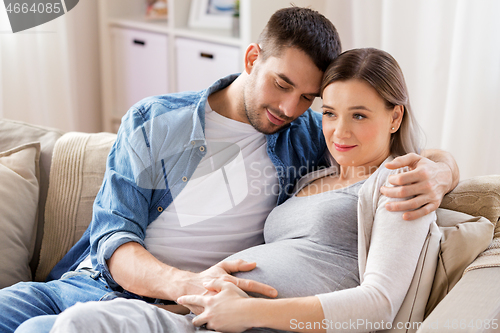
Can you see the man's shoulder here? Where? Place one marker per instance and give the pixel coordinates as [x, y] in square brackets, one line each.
[310, 117]
[307, 125]
[153, 106]
[304, 136]
[162, 115]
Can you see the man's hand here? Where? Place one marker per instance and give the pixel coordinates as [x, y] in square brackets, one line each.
[138, 271]
[193, 283]
[427, 182]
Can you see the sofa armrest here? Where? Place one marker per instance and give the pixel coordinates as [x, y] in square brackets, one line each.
[473, 305]
[477, 196]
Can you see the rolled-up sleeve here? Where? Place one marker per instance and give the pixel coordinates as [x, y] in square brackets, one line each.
[121, 209]
[107, 247]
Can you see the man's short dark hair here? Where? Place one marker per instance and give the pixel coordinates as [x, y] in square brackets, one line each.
[304, 29]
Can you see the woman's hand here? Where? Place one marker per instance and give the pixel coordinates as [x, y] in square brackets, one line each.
[194, 282]
[223, 311]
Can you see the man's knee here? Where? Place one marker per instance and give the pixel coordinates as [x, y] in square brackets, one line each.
[40, 324]
[24, 295]
[21, 302]
[20, 288]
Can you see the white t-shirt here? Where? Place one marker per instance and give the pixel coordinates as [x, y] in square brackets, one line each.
[224, 205]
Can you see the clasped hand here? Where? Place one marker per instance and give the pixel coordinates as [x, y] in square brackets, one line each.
[223, 306]
[196, 283]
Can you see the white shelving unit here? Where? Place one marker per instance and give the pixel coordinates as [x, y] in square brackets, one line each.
[129, 14]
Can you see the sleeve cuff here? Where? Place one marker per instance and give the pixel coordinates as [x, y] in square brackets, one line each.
[106, 249]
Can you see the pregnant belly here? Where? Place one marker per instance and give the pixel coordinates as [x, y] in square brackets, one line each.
[298, 267]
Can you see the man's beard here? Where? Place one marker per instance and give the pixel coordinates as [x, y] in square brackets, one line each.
[255, 120]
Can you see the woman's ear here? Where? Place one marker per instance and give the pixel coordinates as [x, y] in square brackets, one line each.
[397, 117]
[251, 55]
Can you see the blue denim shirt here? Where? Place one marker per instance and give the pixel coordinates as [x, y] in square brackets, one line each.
[158, 147]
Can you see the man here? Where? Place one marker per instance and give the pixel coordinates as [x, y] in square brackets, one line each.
[242, 144]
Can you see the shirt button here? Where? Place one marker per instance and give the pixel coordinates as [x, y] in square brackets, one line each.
[202, 148]
[184, 179]
[160, 209]
[193, 143]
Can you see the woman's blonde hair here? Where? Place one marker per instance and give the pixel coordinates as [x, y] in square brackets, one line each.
[382, 72]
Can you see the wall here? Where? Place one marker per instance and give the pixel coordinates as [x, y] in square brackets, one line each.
[50, 74]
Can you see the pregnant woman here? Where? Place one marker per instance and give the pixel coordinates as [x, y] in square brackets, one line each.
[332, 251]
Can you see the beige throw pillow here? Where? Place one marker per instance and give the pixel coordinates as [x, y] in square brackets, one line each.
[463, 238]
[452, 244]
[19, 190]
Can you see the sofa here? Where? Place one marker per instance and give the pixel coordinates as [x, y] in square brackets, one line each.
[49, 179]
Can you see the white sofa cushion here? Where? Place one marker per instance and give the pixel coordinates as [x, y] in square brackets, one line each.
[19, 190]
[16, 133]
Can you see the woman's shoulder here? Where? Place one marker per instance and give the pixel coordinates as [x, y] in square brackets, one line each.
[380, 177]
[384, 172]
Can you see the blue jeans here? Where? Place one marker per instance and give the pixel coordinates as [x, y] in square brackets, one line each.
[37, 304]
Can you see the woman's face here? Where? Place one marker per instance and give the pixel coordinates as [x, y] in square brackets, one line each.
[357, 124]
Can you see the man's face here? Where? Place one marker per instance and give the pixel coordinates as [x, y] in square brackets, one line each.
[280, 89]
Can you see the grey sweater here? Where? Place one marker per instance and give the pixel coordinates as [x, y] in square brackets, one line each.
[311, 245]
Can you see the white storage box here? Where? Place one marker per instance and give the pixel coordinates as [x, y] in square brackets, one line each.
[199, 64]
[139, 68]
